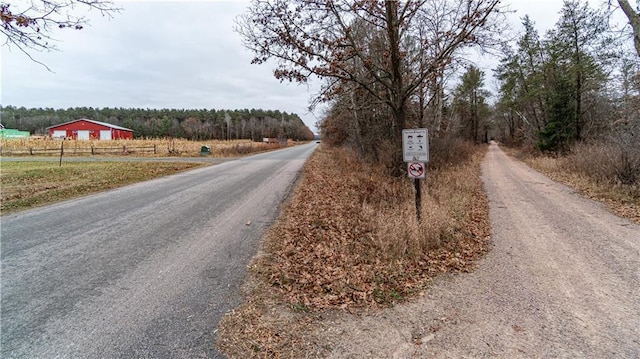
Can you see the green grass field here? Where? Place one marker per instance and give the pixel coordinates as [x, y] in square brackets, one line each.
[25, 185]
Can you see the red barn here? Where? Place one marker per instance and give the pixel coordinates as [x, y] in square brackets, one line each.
[84, 129]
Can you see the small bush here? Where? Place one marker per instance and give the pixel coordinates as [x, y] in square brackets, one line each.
[449, 151]
[605, 162]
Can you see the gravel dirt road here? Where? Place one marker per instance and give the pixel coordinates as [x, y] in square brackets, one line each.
[562, 281]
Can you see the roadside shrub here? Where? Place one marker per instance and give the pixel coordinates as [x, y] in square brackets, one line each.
[606, 162]
[449, 151]
[626, 137]
[628, 168]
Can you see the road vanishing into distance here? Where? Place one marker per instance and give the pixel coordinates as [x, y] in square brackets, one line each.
[143, 271]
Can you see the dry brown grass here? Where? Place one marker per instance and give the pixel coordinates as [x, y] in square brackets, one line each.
[138, 147]
[30, 184]
[349, 239]
[595, 170]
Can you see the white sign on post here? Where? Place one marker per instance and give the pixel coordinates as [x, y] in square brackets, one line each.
[415, 145]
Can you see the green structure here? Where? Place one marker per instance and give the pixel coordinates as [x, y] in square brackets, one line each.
[11, 133]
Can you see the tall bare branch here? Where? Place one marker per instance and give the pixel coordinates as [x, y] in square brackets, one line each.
[30, 26]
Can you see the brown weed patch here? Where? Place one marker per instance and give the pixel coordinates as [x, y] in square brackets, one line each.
[349, 239]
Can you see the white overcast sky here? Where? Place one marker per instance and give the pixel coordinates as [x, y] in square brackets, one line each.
[180, 54]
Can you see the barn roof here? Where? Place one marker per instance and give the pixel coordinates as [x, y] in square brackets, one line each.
[96, 122]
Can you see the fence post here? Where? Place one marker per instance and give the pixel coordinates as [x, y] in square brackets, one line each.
[91, 150]
[155, 151]
[61, 151]
[31, 151]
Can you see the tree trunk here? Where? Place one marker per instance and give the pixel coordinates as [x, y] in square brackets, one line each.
[578, 113]
[422, 93]
[400, 120]
[578, 95]
[634, 20]
[474, 116]
[396, 96]
[438, 104]
[358, 134]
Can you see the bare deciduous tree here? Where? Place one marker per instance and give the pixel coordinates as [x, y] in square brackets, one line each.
[29, 25]
[389, 61]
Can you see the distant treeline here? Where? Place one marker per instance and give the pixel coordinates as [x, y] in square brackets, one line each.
[191, 124]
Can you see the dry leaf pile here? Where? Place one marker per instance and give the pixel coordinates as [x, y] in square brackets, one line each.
[349, 239]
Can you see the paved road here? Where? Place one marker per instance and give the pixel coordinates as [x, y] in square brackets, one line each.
[144, 271]
[561, 281]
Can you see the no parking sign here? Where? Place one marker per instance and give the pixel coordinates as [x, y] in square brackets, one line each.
[416, 170]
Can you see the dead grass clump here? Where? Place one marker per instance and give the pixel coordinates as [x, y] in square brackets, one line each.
[449, 150]
[398, 233]
[605, 163]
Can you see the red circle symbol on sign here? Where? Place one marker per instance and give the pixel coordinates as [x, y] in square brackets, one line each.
[416, 169]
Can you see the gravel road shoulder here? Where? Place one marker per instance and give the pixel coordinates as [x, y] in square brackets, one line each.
[562, 280]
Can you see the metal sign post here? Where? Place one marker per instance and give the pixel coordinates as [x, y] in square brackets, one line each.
[415, 151]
